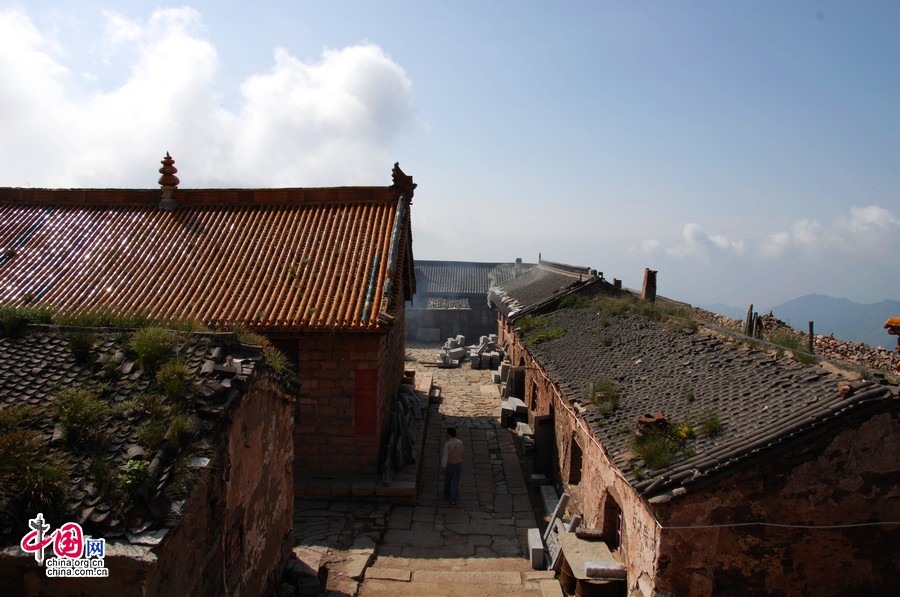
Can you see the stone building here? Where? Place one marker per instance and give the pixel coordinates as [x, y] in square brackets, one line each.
[324, 273]
[710, 466]
[452, 298]
[181, 472]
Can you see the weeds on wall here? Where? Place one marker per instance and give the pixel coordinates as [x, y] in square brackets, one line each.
[274, 357]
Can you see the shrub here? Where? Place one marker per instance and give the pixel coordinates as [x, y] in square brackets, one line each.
[575, 301]
[274, 357]
[79, 413]
[179, 431]
[711, 426]
[14, 319]
[173, 378]
[182, 478]
[529, 323]
[654, 450]
[104, 478]
[30, 482]
[153, 346]
[43, 488]
[81, 342]
[545, 336]
[152, 433]
[604, 394]
[133, 475]
[16, 416]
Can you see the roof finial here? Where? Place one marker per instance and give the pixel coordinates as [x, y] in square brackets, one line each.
[403, 184]
[169, 183]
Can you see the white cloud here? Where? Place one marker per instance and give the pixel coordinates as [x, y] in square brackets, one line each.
[862, 231]
[872, 218]
[332, 121]
[696, 244]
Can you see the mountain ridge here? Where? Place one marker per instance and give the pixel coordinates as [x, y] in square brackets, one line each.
[845, 319]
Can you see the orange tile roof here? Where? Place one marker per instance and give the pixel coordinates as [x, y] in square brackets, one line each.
[276, 259]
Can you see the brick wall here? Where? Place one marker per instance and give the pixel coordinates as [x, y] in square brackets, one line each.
[844, 476]
[348, 381]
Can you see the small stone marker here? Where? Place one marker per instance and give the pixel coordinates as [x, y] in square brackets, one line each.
[536, 549]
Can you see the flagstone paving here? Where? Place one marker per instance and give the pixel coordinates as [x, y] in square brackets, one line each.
[477, 547]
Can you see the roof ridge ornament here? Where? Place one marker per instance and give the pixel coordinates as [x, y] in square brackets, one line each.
[403, 184]
[169, 183]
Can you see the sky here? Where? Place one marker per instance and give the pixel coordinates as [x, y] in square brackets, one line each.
[748, 150]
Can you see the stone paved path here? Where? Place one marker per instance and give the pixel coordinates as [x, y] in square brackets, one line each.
[478, 547]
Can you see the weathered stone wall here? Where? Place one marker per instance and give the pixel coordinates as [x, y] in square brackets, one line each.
[845, 477]
[237, 535]
[259, 497]
[348, 381]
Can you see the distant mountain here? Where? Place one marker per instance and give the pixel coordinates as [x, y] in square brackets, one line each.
[726, 310]
[845, 319]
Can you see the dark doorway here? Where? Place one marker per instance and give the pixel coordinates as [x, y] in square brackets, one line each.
[574, 462]
[612, 523]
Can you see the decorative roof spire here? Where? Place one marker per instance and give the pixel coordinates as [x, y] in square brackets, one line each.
[168, 178]
[169, 183]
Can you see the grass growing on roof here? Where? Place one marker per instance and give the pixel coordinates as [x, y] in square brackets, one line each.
[274, 357]
[31, 479]
[604, 394]
[14, 319]
[153, 346]
[80, 414]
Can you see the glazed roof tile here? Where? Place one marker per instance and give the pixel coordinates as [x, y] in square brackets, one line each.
[760, 400]
[539, 284]
[461, 278]
[278, 259]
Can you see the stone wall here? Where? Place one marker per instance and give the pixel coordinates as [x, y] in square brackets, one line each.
[348, 380]
[843, 477]
[479, 320]
[237, 536]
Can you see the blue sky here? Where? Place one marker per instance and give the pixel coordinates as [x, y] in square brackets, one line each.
[748, 150]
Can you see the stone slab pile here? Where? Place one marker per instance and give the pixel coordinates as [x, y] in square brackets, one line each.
[486, 354]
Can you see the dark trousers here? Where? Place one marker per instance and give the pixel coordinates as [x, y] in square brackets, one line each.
[451, 481]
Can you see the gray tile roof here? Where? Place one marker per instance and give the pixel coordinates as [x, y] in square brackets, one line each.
[461, 278]
[35, 367]
[760, 400]
[540, 283]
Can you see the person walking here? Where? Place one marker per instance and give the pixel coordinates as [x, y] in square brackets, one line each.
[451, 465]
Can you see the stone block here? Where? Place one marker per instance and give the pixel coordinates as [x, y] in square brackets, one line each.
[536, 549]
[495, 359]
[495, 377]
[457, 353]
[523, 429]
[518, 405]
[549, 498]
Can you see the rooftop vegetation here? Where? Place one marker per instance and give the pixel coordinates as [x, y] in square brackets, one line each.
[37, 470]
